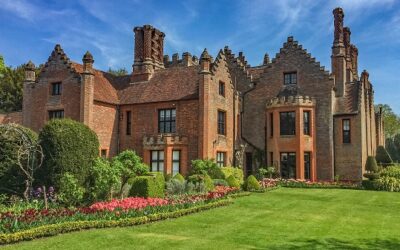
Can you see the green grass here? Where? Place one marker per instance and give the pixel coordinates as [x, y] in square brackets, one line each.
[281, 219]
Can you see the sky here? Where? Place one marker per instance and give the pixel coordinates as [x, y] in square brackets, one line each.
[30, 29]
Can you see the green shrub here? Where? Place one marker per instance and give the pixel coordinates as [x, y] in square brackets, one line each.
[232, 182]
[382, 156]
[148, 186]
[70, 192]
[103, 180]
[175, 187]
[179, 177]
[235, 172]
[202, 179]
[129, 165]
[11, 176]
[220, 182]
[392, 171]
[207, 166]
[252, 183]
[388, 183]
[266, 172]
[69, 147]
[371, 165]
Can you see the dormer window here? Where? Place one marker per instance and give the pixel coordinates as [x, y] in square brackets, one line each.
[56, 88]
[290, 78]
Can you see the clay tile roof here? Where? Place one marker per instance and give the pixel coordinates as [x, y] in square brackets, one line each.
[105, 84]
[177, 83]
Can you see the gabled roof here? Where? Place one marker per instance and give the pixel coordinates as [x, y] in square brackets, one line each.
[177, 83]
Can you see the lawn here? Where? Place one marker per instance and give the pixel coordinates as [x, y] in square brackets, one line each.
[281, 219]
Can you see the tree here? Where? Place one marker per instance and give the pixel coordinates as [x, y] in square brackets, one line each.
[390, 119]
[118, 72]
[19, 150]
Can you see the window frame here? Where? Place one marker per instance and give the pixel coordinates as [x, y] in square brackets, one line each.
[168, 125]
[221, 88]
[176, 161]
[221, 162]
[157, 161]
[271, 124]
[346, 133]
[221, 124]
[56, 114]
[288, 78]
[56, 88]
[288, 154]
[128, 122]
[282, 124]
[306, 125]
[307, 165]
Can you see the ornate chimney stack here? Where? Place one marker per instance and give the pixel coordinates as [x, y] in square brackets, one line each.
[149, 52]
[30, 72]
[266, 59]
[354, 60]
[87, 62]
[338, 58]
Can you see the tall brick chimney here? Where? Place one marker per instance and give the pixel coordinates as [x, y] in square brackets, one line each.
[87, 90]
[27, 100]
[149, 46]
[338, 58]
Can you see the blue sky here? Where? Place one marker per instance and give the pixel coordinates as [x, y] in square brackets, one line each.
[30, 28]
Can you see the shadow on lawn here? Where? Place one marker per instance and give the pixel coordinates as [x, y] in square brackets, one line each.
[340, 244]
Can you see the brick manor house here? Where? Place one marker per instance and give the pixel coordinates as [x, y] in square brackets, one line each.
[289, 112]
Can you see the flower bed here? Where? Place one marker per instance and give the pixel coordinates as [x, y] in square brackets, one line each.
[11, 222]
[322, 184]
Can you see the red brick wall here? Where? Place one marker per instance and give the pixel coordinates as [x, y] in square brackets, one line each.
[105, 124]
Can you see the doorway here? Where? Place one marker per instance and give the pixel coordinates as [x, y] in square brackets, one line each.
[288, 165]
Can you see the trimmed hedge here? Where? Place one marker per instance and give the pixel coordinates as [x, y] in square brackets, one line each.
[68, 146]
[12, 179]
[148, 186]
[179, 177]
[54, 229]
[371, 164]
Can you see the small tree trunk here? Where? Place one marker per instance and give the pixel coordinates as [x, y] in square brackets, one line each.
[45, 197]
[26, 192]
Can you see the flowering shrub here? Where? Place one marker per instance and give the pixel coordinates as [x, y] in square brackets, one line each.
[12, 221]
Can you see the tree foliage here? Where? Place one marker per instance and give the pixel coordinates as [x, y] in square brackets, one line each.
[69, 147]
[391, 120]
[118, 72]
[104, 179]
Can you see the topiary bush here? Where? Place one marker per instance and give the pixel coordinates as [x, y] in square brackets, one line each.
[68, 147]
[233, 182]
[382, 157]
[179, 177]
[252, 183]
[11, 176]
[152, 185]
[371, 165]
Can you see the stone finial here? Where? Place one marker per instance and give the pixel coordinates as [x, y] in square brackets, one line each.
[290, 39]
[338, 22]
[58, 48]
[87, 61]
[87, 58]
[266, 59]
[30, 72]
[205, 62]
